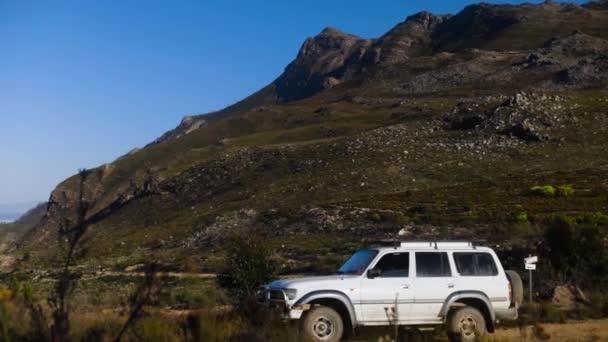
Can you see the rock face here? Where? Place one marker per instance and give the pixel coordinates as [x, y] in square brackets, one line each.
[333, 57]
[323, 61]
[408, 39]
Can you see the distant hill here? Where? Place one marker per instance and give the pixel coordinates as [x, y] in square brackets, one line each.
[12, 211]
[438, 127]
[25, 222]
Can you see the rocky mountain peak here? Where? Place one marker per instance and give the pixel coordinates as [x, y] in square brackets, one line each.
[330, 40]
[426, 19]
[322, 62]
[332, 31]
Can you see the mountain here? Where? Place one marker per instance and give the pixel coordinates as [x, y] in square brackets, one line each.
[439, 127]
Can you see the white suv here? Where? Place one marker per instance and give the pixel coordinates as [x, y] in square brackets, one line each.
[412, 284]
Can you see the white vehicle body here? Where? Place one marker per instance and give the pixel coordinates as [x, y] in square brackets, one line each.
[415, 283]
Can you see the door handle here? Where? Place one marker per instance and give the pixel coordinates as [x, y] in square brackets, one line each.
[406, 286]
[450, 286]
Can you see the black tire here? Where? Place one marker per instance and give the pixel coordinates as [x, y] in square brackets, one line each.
[517, 287]
[466, 324]
[323, 323]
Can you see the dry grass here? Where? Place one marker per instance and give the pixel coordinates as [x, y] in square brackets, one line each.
[591, 330]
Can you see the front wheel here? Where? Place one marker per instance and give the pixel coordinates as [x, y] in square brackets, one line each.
[466, 324]
[323, 323]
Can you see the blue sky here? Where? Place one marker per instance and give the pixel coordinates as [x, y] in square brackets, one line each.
[83, 82]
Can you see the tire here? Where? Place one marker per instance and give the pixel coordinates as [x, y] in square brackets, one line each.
[466, 324]
[323, 323]
[517, 287]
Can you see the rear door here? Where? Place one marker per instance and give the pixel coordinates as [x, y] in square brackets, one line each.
[388, 297]
[433, 283]
[478, 271]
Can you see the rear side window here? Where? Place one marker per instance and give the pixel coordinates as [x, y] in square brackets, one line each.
[394, 265]
[475, 264]
[432, 264]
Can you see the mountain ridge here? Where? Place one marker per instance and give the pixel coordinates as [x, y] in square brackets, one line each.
[399, 125]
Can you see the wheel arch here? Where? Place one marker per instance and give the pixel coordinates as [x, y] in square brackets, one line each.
[336, 300]
[475, 299]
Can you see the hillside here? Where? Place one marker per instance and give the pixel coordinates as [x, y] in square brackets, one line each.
[439, 127]
[10, 233]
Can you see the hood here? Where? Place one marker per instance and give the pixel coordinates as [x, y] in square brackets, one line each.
[309, 281]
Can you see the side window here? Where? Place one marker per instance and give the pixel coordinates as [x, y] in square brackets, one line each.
[432, 264]
[394, 265]
[475, 264]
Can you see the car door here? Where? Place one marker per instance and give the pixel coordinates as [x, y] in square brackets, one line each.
[387, 297]
[477, 271]
[432, 285]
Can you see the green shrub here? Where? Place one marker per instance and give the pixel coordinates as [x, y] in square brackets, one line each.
[247, 267]
[599, 218]
[521, 229]
[398, 218]
[565, 190]
[521, 217]
[561, 219]
[542, 190]
[375, 217]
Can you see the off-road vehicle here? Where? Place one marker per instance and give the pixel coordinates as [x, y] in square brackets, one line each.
[456, 285]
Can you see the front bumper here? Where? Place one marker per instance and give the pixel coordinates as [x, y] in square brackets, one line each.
[277, 301]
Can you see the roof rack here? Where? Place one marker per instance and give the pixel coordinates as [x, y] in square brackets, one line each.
[440, 244]
[426, 242]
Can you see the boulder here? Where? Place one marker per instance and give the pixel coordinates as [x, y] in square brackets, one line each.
[569, 297]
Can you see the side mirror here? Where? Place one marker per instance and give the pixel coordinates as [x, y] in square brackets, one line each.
[373, 273]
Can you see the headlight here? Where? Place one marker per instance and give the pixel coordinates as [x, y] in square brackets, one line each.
[291, 293]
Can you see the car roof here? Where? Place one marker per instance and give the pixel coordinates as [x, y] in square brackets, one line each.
[435, 246]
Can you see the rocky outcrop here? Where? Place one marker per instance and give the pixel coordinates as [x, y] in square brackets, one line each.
[333, 57]
[408, 39]
[528, 117]
[187, 126]
[576, 60]
[323, 61]
[569, 297]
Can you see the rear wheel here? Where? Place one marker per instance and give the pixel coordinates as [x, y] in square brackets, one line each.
[323, 323]
[466, 324]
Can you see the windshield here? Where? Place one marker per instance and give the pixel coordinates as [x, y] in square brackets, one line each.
[358, 262]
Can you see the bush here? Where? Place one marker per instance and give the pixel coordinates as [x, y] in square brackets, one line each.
[565, 190]
[247, 267]
[597, 218]
[577, 252]
[542, 190]
[521, 217]
[6, 309]
[375, 217]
